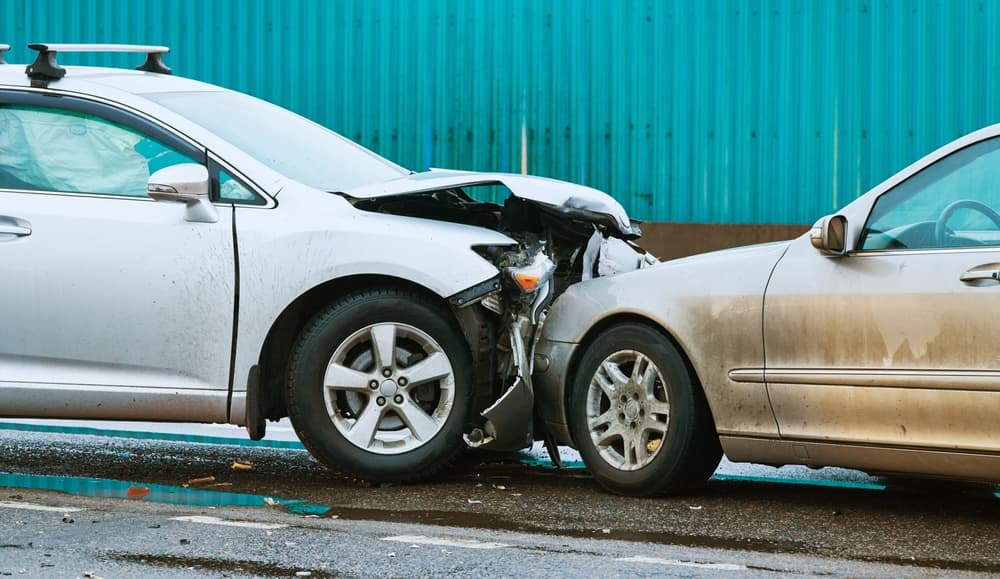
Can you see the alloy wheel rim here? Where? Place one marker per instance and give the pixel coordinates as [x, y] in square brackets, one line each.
[389, 388]
[628, 411]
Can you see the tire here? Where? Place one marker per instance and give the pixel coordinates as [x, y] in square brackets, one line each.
[386, 417]
[640, 422]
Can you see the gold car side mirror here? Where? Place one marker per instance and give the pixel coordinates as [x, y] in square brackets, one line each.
[829, 235]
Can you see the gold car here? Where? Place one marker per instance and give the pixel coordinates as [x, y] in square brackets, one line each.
[871, 342]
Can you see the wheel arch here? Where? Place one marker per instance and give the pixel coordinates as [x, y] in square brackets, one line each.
[600, 327]
[284, 331]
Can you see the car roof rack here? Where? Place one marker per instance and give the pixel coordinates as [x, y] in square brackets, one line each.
[3, 48]
[46, 68]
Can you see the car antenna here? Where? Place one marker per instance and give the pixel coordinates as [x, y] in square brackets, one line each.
[45, 67]
[3, 48]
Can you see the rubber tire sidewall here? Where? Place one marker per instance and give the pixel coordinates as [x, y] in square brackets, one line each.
[305, 397]
[675, 468]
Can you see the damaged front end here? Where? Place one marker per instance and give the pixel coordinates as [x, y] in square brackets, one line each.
[564, 234]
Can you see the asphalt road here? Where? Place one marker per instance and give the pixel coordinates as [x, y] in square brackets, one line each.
[490, 515]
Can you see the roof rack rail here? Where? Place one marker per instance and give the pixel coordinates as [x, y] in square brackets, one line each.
[3, 48]
[46, 68]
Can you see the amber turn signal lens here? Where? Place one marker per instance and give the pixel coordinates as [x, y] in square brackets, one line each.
[527, 281]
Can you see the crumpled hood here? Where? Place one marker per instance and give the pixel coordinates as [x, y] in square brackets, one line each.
[574, 201]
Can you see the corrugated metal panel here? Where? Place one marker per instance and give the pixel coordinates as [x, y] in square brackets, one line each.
[747, 111]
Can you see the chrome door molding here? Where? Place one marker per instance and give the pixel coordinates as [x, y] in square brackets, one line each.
[984, 380]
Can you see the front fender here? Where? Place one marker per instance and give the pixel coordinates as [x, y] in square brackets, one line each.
[312, 238]
[711, 307]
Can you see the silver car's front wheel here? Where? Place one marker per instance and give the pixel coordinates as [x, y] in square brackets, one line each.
[627, 410]
[379, 386]
[637, 414]
[389, 388]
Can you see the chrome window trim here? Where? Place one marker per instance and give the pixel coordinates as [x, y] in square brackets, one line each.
[942, 250]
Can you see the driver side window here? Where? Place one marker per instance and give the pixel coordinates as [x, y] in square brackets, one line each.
[953, 203]
[60, 150]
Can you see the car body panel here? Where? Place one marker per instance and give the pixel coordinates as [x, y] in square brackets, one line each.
[569, 199]
[337, 241]
[964, 465]
[896, 351]
[65, 353]
[702, 319]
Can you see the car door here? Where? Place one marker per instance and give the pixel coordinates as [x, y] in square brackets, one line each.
[896, 343]
[112, 305]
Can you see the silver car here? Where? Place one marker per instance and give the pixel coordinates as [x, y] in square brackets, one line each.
[174, 251]
[870, 342]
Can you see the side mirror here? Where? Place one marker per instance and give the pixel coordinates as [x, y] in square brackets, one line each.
[829, 235]
[187, 183]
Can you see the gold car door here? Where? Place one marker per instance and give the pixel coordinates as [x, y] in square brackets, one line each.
[896, 343]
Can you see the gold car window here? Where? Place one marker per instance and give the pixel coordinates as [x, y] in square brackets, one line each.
[953, 203]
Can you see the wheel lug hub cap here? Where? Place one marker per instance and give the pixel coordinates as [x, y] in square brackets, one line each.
[632, 408]
[388, 388]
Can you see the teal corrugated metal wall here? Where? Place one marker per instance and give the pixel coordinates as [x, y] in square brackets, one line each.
[746, 111]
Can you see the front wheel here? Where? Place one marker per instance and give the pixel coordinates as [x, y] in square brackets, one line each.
[379, 386]
[639, 421]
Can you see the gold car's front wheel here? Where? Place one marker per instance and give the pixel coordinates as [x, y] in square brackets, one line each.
[637, 417]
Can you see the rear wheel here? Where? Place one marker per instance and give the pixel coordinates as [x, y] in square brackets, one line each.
[379, 386]
[640, 423]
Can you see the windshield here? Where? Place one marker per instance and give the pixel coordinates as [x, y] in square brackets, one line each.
[286, 142]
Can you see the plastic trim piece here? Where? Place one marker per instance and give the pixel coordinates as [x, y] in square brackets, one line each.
[469, 296]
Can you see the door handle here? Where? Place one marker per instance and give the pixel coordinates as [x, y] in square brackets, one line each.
[11, 227]
[978, 276]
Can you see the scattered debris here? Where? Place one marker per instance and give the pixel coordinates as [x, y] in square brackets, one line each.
[242, 465]
[606, 531]
[500, 487]
[68, 519]
[155, 526]
[694, 507]
[221, 484]
[91, 575]
[303, 573]
[137, 493]
[185, 541]
[516, 494]
[201, 480]
[270, 502]
[653, 444]
[475, 502]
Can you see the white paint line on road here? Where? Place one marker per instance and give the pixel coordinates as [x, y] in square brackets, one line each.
[34, 507]
[676, 563]
[442, 542]
[226, 523]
